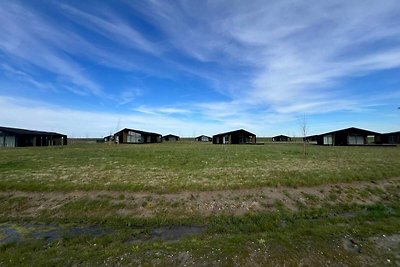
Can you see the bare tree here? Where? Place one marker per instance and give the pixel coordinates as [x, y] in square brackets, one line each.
[304, 131]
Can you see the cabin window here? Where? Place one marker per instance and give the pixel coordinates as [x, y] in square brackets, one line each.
[327, 139]
[371, 139]
[355, 140]
[7, 141]
[134, 137]
[225, 139]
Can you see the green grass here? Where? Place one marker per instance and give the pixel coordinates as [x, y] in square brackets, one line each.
[314, 233]
[189, 166]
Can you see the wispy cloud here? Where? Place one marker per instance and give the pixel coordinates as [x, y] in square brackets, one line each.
[161, 110]
[78, 123]
[266, 61]
[25, 77]
[297, 51]
[30, 43]
[60, 49]
[128, 95]
[112, 27]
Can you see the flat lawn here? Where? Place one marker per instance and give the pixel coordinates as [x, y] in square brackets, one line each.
[193, 204]
[190, 166]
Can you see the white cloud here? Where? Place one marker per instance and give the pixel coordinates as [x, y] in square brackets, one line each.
[77, 123]
[112, 27]
[161, 110]
[28, 42]
[127, 96]
[296, 52]
[45, 45]
[271, 60]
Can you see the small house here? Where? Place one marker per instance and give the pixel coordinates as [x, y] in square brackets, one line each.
[132, 136]
[348, 137]
[235, 137]
[15, 137]
[170, 137]
[203, 138]
[281, 138]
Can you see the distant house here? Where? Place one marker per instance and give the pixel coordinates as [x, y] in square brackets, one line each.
[14, 137]
[170, 137]
[235, 137]
[281, 138]
[347, 137]
[108, 138]
[203, 138]
[131, 136]
[391, 138]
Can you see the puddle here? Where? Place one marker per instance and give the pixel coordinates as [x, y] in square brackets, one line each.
[9, 235]
[351, 245]
[171, 233]
[92, 230]
[49, 236]
[12, 233]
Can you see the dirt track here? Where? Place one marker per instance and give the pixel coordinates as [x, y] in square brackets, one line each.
[236, 202]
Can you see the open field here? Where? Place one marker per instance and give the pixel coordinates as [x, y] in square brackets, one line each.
[189, 166]
[199, 204]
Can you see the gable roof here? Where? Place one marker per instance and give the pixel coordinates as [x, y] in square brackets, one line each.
[395, 133]
[200, 136]
[352, 129]
[171, 135]
[138, 131]
[26, 132]
[235, 131]
[281, 135]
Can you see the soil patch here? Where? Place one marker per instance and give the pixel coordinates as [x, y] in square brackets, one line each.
[203, 203]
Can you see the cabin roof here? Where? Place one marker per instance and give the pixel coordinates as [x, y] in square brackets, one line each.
[203, 135]
[281, 135]
[138, 131]
[235, 131]
[353, 129]
[170, 135]
[19, 131]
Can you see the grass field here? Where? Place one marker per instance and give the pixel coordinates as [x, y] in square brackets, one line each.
[189, 166]
[199, 204]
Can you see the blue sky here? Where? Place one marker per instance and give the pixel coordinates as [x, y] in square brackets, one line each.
[88, 68]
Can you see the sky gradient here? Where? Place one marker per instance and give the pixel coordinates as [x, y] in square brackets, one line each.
[90, 68]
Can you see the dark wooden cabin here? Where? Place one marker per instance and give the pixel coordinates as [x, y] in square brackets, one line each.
[170, 137]
[203, 138]
[235, 137]
[132, 136]
[281, 138]
[348, 137]
[391, 138]
[15, 137]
